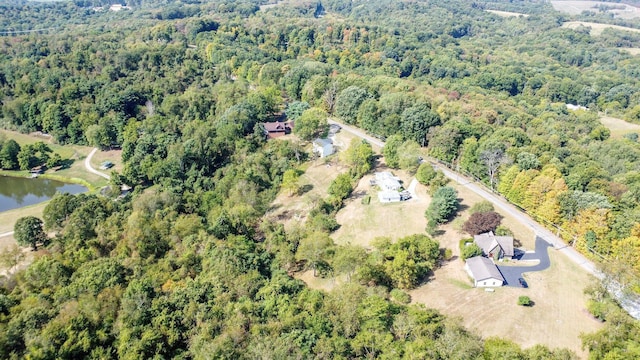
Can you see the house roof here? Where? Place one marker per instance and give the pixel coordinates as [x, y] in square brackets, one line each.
[488, 241]
[482, 268]
[322, 142]
[278, 126]
[386, 180]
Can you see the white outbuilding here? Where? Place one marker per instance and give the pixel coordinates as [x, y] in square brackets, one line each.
[484, 272]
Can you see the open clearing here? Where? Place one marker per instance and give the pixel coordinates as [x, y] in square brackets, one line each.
[596, 28]
[507, 13]
[360, 223]
[76, 172]
[558, 316]
[619, 127]
[577, 7]
[632, 51]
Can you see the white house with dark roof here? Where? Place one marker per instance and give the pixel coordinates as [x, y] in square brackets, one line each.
[495, 247]
[484, 272]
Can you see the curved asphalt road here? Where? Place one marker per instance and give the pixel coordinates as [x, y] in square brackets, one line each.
[512, 273]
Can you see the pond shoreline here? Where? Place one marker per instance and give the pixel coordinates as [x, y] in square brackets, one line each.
[22, 174]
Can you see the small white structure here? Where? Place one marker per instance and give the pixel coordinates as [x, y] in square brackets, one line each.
[483, 272]
[118, 7]
[575, 107]
[389, 196]
[323, 147]
[387, 182]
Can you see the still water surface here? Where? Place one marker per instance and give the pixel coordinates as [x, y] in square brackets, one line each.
[19, 192]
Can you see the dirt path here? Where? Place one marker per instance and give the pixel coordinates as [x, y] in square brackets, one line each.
[87, 165]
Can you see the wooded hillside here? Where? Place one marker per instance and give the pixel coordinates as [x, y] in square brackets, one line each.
[186, 267]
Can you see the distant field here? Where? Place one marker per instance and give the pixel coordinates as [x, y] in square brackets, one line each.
[632, 51]
[596, 29]
[577, 7]
[507, 13]
[619, 127]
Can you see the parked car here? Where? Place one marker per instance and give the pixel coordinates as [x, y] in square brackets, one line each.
[523, 283]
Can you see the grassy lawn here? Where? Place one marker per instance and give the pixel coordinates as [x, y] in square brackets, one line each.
[619, 127]
[76, 172]
[360, 223]
[9, 218]
[596, 28]
[556, 320]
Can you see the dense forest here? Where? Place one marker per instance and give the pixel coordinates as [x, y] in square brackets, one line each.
[187, 266]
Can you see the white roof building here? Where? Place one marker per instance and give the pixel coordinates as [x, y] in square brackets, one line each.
[387, 182]
[484, 272]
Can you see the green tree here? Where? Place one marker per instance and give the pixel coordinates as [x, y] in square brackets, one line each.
[348, 102]
[409, 156]
[58, 210]
[28, 231]
[314, 249]
[341, 186]
[444, 204]
[291, 181]
[348, 259]
[425, 173]
[359, 156]
[296, 109]
[416, 122]
[390, 151]
[311, 124]
[9, 155]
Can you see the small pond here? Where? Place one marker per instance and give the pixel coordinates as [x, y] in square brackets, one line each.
[18, 192]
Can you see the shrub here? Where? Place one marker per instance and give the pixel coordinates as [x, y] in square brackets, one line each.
[503, 231]
[448, 254]
[479, 223]
[524, 301]
[400, 296]
[470, 251]
[481, 207]
[366, 200]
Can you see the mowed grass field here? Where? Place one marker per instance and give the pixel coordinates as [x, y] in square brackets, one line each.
[507, 13]
[596, 28]
[577, 7]
[76, 153]
[619, 127]
[558, 317]
[360, 223]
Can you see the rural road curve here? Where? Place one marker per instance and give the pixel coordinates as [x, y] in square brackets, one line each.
[499, 202]
[87, 164]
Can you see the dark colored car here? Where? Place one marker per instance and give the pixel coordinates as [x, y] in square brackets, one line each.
[523, 283]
